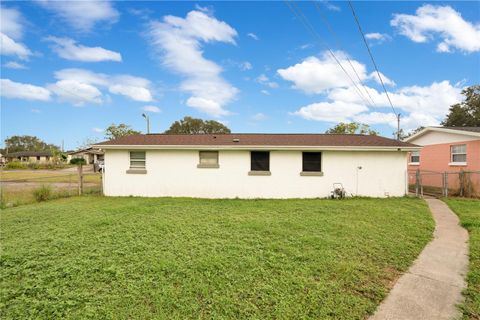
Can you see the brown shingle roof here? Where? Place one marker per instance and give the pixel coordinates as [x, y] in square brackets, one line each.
[471, 129]
[248, 139]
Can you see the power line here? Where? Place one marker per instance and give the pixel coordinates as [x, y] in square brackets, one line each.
[306, 23]
[376, 68]
[337, 39]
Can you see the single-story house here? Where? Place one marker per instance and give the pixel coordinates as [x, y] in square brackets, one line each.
[90, 155]
[254, 165]
[29, 156]
[445, 149]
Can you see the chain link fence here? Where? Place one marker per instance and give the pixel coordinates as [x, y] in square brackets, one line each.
[445, 184]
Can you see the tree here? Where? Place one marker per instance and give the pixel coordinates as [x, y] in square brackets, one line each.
[189, 125]
[117, 131]
[87, 143]
[352, 128]
[467, 112]
[27, 143]
[404, 135]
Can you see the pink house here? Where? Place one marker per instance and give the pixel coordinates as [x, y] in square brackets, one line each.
[445, 149]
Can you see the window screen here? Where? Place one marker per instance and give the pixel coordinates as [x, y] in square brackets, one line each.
[208, 158]
[312, 162]
[137, 159]
[260, 161]
[459, 153]
[415, 157]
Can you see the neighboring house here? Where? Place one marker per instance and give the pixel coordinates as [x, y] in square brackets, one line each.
[254, 165]
[446, 149]
[90, 155]
[30, 156]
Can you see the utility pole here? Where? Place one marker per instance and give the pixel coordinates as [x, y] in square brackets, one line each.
[398, 126]
[148, 122]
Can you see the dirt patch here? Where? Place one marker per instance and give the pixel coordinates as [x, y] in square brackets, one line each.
[17, 186]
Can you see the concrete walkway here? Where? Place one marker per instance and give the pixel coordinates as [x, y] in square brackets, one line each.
[432, 286]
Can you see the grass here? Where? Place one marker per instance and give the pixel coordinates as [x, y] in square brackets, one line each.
[468, 211]
[180, 258]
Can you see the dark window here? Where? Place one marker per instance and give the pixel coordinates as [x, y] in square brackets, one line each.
[415, 157]
[260, 160]
[38, 157]
[312, 161]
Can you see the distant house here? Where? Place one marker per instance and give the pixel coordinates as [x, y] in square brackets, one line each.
[254, 165]
[90, 155]
[446, 149]
[29, 156]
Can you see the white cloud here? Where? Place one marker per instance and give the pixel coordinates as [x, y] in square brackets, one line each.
[336, 111]
[253, 36]
[265, 92]
[82, 15]
[11, 23]
[427, 105]
[376, 118]
[245, 66]
[378, 37]
[76, 92]
[441, 22]
[17, 90]
[305, 46]
[14, 65]
[68, 49]
[419, 105]
[259, 117]
[317, 75]
[36, 111]
[11, 31]
[10, 47]
[264, 80]
[387, 81]
[79, 86]
[98, 130]
[330, 6]
[133, 92]
[178, 41]
[153, 109]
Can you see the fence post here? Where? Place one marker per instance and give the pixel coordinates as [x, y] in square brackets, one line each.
[80, 179]
[445, 179]
[417, 182]
[462, 182]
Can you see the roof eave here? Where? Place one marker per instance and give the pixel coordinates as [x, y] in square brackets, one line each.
[258, 147]
[437, 129]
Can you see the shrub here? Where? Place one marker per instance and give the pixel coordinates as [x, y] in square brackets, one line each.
[42, 193]
[33, 165]
[16, 165]
[78, 161]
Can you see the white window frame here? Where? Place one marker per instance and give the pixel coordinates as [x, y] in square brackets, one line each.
[415, 163]
[137, 168]
[454, 153]
[202, 155]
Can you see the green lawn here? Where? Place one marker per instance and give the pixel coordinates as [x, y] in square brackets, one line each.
[469, 212]
[179, 258]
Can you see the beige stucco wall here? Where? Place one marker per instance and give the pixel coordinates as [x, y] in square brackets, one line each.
[437, 137]
[175, 173]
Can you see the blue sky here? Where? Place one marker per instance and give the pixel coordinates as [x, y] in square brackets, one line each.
[71, 69]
